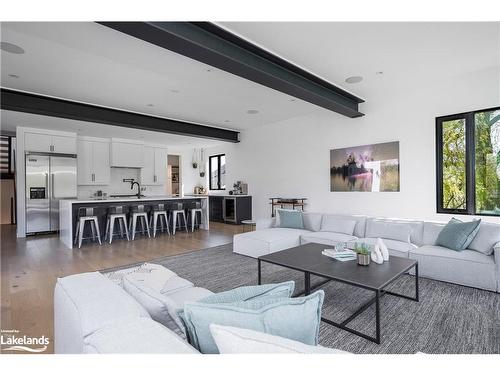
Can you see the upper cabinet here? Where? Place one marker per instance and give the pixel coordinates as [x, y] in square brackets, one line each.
[59, 144]
[126, 153]
[93, 161]
[155, 166]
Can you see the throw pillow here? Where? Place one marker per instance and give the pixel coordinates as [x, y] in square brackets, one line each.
[290, 219]
[294, 318]
[333, 224]
[247, 293]
[232, 340]
[457, 235]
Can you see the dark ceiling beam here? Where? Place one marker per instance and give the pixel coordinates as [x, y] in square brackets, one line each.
[212, 45]
[43, 105]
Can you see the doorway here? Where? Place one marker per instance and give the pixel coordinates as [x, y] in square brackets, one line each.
[173, 175]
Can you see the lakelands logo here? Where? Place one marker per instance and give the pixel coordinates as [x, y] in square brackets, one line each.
[11, 340]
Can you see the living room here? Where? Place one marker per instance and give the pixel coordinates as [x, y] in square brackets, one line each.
[338, 193]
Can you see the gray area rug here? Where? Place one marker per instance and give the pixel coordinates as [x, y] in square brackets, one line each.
[448, 319]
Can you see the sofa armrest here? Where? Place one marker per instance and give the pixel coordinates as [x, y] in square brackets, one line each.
[496, 254]
[265, 223]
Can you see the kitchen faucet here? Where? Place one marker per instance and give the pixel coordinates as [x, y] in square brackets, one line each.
[132, 183]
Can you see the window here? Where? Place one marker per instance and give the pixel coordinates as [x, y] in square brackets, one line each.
[468, 163]
[217, 168]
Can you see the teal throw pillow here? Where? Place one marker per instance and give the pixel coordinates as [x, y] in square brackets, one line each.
[457, 235]
[291, 219]
[293, 318]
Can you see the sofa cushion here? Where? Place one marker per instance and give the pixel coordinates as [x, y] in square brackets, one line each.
[266, 241]
[294, 318]
[232, 340]
[290, 219]
[326, 238]
[388, 229]
[162, 304]
[431, 232]
[486, 238]
[136, 336]
[337, 225]
[359, 229]
[444, 252]
[466, 267]
[247, 293]
[457, 235]
[98, 301]
[396, 248]
[312, 221]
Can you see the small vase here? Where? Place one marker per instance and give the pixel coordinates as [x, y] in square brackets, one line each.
[364, 259]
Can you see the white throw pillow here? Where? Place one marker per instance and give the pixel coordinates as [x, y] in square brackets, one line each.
[334, 224]
[232, 340]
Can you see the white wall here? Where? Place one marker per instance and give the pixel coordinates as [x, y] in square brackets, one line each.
[291, 158]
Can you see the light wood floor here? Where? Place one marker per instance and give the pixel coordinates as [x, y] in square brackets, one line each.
[30, 267]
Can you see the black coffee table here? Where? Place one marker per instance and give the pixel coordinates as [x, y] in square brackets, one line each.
[375, 277]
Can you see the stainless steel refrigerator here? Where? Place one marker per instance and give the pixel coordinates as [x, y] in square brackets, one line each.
[48, 179]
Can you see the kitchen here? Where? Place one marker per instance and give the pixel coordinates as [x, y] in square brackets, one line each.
[66, 171]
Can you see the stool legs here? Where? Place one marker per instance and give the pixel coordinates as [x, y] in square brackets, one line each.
[162, 217]
[144, 224]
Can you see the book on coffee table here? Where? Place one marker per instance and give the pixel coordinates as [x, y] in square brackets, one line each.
[342, 255]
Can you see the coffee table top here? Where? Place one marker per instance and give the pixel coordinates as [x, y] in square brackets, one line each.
[308, 258]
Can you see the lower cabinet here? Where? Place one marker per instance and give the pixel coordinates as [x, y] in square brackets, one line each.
[230, 209]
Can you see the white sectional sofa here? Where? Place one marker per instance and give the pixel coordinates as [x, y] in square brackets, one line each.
[95, 315]
[477, 266]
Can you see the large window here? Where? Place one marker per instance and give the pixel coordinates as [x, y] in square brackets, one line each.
[468, 163]
[217, 168]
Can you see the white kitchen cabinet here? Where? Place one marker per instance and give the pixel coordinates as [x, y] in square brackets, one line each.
[155, 166]
[93, 162]
[127, 154]
[63, 145]
[59, 144]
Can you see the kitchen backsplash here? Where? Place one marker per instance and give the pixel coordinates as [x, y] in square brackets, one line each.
[117, 186]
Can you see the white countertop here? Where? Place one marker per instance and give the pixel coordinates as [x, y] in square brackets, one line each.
[118, 199]
[230, 195]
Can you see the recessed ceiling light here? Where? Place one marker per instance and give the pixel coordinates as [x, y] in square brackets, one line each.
[354, 79]
[11, 48]
[252, 111]
[174, 91]
[292, 100]
[151, 105]
[13, 76]
[226, 120]
[379, 72]
[209, 70]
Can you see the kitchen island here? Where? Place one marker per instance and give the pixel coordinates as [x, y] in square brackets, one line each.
[68, 211]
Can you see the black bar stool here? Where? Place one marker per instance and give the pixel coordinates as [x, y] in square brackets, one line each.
[116, 213]
[139, 212]
[86, 215]
[158, 216]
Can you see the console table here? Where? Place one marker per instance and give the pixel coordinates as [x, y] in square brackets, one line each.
[287, 202]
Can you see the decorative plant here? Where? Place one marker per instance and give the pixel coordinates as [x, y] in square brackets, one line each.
[363, 249]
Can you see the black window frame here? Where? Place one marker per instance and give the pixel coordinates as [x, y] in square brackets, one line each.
[470, 162]
[218, 158]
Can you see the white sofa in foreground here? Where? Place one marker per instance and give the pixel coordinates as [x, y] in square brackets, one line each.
[95, 315]
[477, 266]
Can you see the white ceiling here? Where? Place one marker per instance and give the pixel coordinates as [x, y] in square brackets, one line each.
[91, 63]
[88, 62]
[408, 54]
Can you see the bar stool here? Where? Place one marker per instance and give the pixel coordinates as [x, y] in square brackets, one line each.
[139, 212]
[160, 213]
[176, 210]
[116, 213]
[193, 210]
[86, 215]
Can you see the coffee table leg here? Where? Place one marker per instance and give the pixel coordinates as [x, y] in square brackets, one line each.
[377, 317]
[259, 273]
[416, 283]
[307, 283]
